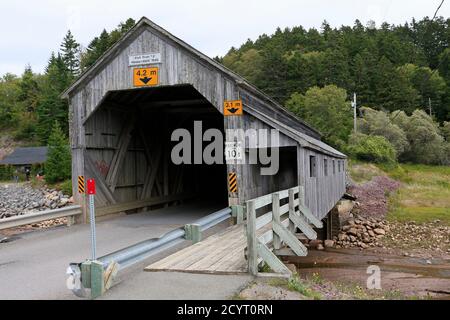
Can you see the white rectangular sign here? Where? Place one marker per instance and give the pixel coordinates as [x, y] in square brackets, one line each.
[233, 151]
[144, 59]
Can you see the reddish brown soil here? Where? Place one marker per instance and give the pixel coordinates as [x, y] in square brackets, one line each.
[410, 276]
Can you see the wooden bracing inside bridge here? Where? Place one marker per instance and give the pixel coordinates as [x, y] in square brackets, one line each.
[128, 153]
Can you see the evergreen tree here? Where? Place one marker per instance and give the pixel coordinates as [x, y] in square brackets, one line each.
[9, 92]
[70, 54]
[51, 107]
[58, 165]
[29, 90]
[99, 45]
[360, 59]
[27, 101]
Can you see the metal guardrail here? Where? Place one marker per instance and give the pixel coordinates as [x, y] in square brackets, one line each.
[142, 250]
[39, 216]
[131, 255]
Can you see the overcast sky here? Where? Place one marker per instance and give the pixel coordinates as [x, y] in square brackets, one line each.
[31, 30]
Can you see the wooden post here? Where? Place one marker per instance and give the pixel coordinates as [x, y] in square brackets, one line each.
[110, 274]
[70, 221]
[291, 210]
[97, 279]
[86, 274]
[276, 218]
[77, 139]
[238, 213]
[252, 249]
[193, 232]
[301, 195]
[234, 126]
[166, 158]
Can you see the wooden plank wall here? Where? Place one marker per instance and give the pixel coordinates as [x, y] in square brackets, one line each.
[177, 67]
[321, 192]
[96, 147]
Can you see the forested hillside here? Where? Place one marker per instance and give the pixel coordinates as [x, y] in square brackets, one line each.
[31, 104]
[391, 67]
[400, 74]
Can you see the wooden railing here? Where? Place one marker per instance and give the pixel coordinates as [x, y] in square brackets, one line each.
[270, 231]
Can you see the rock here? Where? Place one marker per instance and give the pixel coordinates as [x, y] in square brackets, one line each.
[315, 243]
[291, 267]
[379, 231]
[371, 233]
[363, 245]
[353, 231]
[329, 243]
[63, 202]
[319, 247]
[346, 228]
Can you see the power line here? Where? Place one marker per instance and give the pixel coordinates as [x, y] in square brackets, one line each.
[440, 62]
[435, 13]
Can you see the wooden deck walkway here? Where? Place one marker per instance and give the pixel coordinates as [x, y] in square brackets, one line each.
[222, 253]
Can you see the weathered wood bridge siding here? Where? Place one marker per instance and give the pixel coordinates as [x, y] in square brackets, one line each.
[110, 130]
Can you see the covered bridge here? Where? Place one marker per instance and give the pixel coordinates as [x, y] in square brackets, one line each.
[124, 109]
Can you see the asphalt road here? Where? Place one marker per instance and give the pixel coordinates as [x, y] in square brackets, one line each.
[33, 265]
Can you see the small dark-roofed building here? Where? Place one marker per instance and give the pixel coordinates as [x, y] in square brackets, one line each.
[26, 156]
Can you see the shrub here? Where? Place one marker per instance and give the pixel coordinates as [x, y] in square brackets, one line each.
[295, 284]
[26, 128]
[378, 123]
[66, 187]
[423, 133]
[58, 165]
[327, 110]
[371, 148]
[6, 172]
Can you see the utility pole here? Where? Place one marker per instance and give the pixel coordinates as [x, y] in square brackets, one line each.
[429, 106]
[354, 111]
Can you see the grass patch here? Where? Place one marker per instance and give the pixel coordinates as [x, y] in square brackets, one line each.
[237, 296]
[265, 268]
[357, 292]
[64, 186]
[295, 284]
[317, 279]
[424, 195]
[362, 172]
[278, 282]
